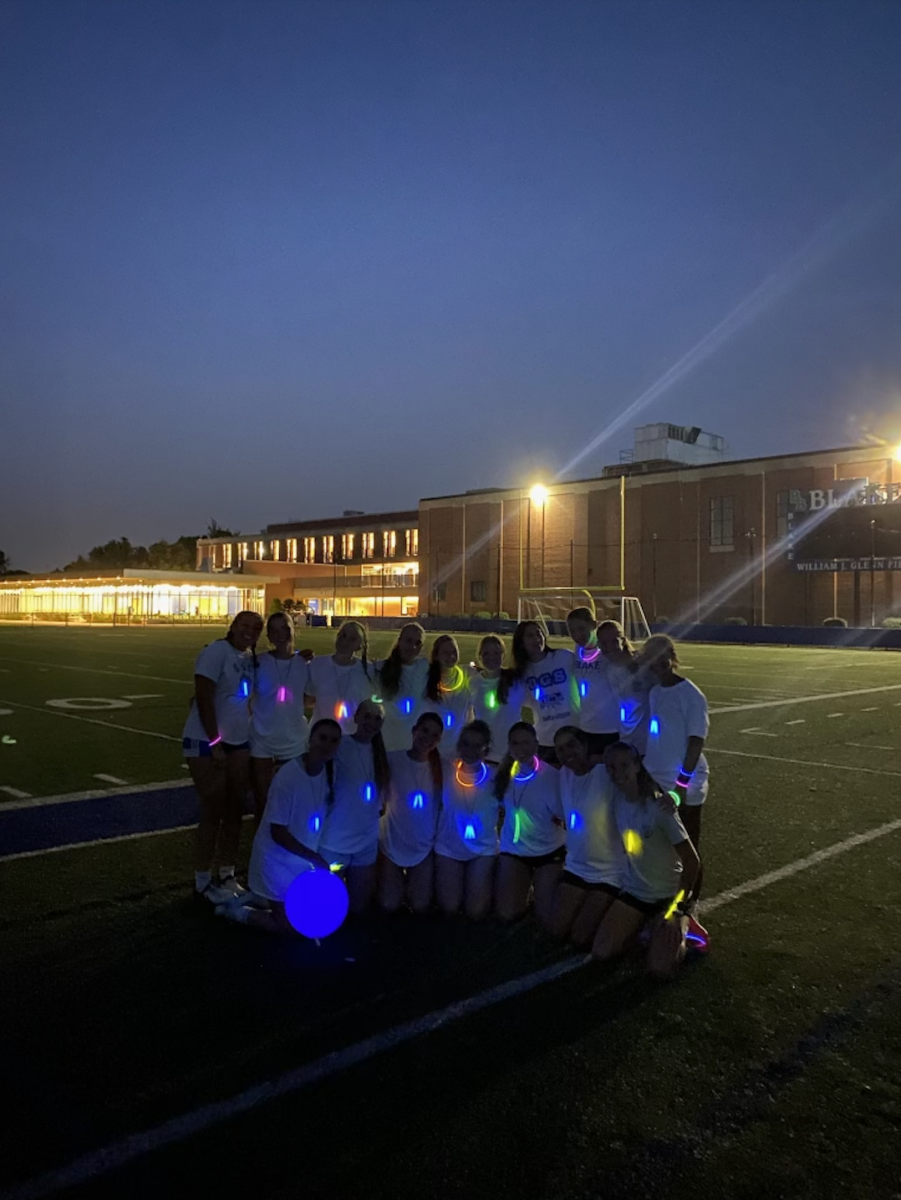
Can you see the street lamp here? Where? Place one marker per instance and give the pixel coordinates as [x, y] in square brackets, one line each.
[538, 495]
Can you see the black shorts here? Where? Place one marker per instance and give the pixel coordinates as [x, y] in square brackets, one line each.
[609, 889]
[598, 742]
[650, 908]
[537, 860]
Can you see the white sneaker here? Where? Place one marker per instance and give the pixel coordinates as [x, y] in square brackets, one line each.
[215, 893]
[231, 885]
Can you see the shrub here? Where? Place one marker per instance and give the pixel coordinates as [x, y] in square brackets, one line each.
[835, 623]
[275, 606]
[891, 623]
[735, 621]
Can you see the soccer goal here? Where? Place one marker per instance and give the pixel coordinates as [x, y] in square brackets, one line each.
[549, 609]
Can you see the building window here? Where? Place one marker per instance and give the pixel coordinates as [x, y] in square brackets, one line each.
[439, 591]
[242, 551]
[367, 545]
[259, 549]
[291, 549]
[276, 548]
[309, 549]
[478, 591]
[781, 515]
[347, 546]
[721, 522]
[412, 542]
[328, 549]
[227, 556]
[389, 543]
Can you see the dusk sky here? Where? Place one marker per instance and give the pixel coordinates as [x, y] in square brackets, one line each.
[264, 260]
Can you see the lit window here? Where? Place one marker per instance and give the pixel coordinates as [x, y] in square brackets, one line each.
[347, 545]
[227, 555]
[389, 543]
[309, 549]
[259, 549]
[367, 541]
[328, 549]
[275, 547]
[243, 549]
[291, 549]
[412, 539]
[721, 521]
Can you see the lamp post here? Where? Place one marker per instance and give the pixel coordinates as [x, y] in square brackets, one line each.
[750, 535]
[654, 575]
[873, 573]
[538, 495]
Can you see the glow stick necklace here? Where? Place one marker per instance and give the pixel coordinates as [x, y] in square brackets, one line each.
[459, 679]
[524, 780]
[474, 783]
[588, 658]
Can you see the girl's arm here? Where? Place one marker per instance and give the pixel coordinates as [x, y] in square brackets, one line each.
[690, 761]
[691, 864]
[282, 836]
[205, 695]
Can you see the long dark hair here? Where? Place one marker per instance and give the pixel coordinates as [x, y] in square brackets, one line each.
[392, 667]
[505, 770]
[647, 787]
[436, 766]
[506, 676]
[521, 660]
[380, 766]
[433, 679]
[330, 763]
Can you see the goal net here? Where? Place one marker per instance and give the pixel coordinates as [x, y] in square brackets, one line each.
[549, 609]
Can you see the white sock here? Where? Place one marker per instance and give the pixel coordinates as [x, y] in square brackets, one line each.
[202, 880]
[226, 872]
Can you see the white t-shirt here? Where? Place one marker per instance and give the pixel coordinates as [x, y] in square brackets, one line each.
[633, 712]
[652, 869]
[338, 690]
[402, 711]
[299, 801]
[552, 694]
[486, 706]
[533, 812]
[280, 729]
[467, 824]
[593, 848]
[676, 714]
[597, 683]
[232, 672]
[454, 707]
[408, 825]
[352, 825]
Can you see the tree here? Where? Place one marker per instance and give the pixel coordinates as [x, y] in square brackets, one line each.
[5, 563]
[215, 530]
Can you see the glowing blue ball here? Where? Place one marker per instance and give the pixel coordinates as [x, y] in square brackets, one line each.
[316, 903]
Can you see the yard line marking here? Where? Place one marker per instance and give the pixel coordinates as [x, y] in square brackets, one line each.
[122, 837]
[145, 696]
[6, 712]
[803, 762]
[55, 712]
[797, 721]
[888, 687]
[869, 710]
[189, 1124]
[832, 716]
[15, 793]
[111, 779]
[24, 662]
[759, 732]
[96, 794]
[864, 746]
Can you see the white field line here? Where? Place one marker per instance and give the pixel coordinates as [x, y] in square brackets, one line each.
[759, 732]
[96, 794]
[864, 746]
[189, 1124]
[798, 721]
[832, 716]
[145, 696]
[803, 762]
[15, 793]
[110, 778]
[55, 712]
[121, 837]
[185, 682]
[888, 687]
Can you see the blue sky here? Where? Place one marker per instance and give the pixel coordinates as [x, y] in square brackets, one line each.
[265, 261]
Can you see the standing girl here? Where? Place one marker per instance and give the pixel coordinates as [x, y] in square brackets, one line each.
[466, 843]
[551, 687]
[598, 695]
[659, 869]
[402, 677]
[351, 835]
[497, 697]
[406, 864]
[216, 743]
[447, 690]
[339, 681]
[287, 841]
[593, 875]
[532, 836]
[280, 731]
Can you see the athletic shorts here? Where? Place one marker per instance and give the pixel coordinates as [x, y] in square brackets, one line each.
[609, 889]
[537, 860]
[192, 748]
[650, 908]
[365, 858]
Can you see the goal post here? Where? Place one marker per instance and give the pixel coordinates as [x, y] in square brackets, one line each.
[549, 608]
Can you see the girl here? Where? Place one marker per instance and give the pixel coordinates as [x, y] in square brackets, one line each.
[677, 727]
[402, 677]
[406, 864]
[466, 843]
[659, 869]
[597, 686]
[338, 682]
[497, 697]
[593, 875]
[552, 692]
[532, 835]
[280, 731]
[361, 790]
[447, 690]
[287, 841]
[216, 743]
[627, 684]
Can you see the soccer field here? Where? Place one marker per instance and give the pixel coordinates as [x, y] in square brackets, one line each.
[151, 1048]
